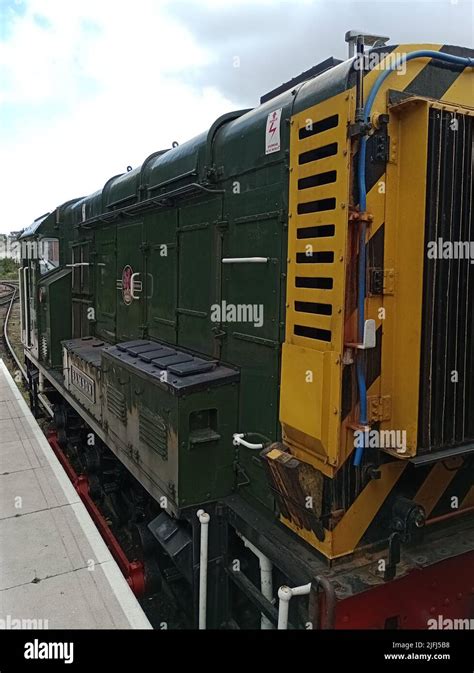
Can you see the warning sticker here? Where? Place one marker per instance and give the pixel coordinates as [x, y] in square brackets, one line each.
[272, 135]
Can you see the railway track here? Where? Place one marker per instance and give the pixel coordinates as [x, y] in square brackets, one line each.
[12, 289]
[9, 299]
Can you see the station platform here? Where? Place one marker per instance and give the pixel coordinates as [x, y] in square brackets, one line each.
[55, 570]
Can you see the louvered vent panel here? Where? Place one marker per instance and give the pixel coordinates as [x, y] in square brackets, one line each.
[153, 432]
[317, 231]
[315, 299]
[116, 403]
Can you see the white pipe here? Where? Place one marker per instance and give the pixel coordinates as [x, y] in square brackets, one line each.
[266, 579]
[27, 343]
[238, 438]
[204, 521]
[22, 305]
[285, 594]
[245, 260]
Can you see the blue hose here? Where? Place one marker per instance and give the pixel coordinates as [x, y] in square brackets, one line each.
[361, 381]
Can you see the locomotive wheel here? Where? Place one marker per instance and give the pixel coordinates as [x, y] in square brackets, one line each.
[143, 541]
[152, 576]
[62, 437]
[59, 416]
[95, 487]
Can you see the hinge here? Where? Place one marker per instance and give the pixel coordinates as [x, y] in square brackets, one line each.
[218, 332]
[375, 281]
[221, 224]
[380, 408]
[381, 281]
[210, 172]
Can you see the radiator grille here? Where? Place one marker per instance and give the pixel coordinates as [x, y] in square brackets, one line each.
[116, 403]
[153, 432]
[446, 410]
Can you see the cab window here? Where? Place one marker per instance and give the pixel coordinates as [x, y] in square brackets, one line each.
[48, 257]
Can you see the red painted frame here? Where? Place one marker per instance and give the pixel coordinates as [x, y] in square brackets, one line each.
[133, 571]
[444, 590]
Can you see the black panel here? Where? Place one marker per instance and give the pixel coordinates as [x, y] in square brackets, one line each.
[375, 165]
[446, 407]
[374, 359]
[88, 349]
[130, 344]
[375, 249]
[347, 385]
[185, 372]
[144, 348]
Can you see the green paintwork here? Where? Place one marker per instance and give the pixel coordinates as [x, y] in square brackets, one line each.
[105, 275]
[176, 243]
[54, 316]
[184, 443]
[130, 317]
[161, 281]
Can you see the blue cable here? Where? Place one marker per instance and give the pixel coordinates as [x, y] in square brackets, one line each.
[421, 53]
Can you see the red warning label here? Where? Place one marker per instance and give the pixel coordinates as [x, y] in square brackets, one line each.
[272, 135]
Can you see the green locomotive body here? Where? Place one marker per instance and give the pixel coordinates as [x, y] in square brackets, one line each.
[184, 307]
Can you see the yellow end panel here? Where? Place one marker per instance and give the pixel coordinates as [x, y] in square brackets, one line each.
[310, 394]
[404, 252]
[317, 240]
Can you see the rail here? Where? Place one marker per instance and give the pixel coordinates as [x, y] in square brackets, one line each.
[10, 299]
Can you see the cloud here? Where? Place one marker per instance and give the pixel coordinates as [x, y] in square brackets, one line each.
[90, 86]
[87, 90]
[274, 41]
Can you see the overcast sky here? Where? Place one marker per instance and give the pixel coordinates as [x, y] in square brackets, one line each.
[88, 87]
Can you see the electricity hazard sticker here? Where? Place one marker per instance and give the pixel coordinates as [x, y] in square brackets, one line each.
[272, 134]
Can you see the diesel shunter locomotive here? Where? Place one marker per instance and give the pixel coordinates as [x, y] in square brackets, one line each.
[260, 361]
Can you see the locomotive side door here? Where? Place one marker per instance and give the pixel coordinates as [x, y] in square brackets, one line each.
[130, 283]
[104, 283]
[161, 274]
[200, 240]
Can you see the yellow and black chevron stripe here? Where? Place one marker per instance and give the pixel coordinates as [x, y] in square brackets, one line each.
[318, 423]
[337, 527]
